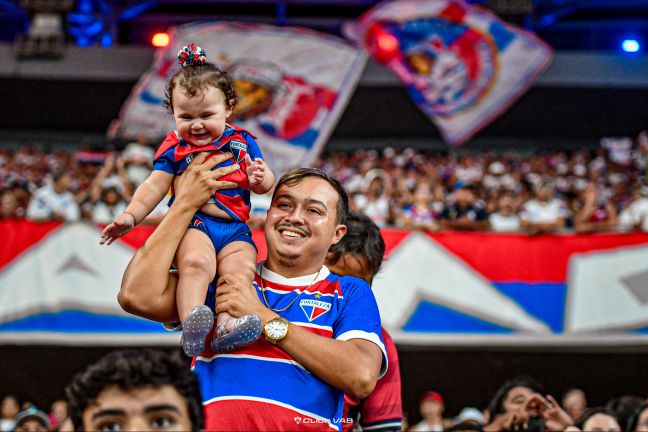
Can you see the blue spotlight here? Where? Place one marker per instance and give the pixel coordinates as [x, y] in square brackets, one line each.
[630, 45]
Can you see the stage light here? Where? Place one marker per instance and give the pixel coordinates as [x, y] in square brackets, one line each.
[160, 40]
[630, 45]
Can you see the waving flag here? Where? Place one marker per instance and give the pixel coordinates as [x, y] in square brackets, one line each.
[293, 85]
[461, 64]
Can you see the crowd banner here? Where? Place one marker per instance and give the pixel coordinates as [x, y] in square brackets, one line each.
[59, 286]
[461, 64]
[293, 85]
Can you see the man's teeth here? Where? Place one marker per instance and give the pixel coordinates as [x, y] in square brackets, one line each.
[292, 234]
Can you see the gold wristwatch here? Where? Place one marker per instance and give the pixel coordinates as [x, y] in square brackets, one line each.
[275, 330]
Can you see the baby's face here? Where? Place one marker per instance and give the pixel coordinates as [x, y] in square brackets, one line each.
[200, 119]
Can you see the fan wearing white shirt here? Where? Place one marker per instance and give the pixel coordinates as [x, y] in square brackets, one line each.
[54, 201]
[505, 219]
[544, 213]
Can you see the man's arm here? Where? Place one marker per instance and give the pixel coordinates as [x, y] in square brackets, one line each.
[350, 365]
[148, 289]
[382, 410]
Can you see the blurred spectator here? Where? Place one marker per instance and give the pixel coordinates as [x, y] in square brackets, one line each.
[639, 421]
[8, 411]
[58, 414]
[545, 213]
[498, 179]
[623, 408]
[518, 404]
[431, 407]
[465, 213]
[635, 215]
[54, 201]
[505, 219]
[21, 192]
[110, 191]
[9, 205]
[374, 202]
[32, 420]
[419, 214]
[574, 402]
[596, 213]
[469, 415]
[138, 157]
[598, 419]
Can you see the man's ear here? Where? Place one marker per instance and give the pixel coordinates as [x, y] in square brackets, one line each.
[340, 231]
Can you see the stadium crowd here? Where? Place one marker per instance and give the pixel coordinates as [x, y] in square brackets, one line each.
[518, 404]
[588, 190]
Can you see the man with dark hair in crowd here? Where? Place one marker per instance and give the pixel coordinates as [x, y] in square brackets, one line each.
[321, 332]
[360, 254]
[518, 405]
[465, 213]
[136, 390]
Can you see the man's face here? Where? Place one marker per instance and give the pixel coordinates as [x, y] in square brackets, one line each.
[301, 225]
[142, 409]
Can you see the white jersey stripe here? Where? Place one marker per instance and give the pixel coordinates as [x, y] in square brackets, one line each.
[273, 402]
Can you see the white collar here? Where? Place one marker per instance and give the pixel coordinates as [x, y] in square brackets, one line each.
[298, 281]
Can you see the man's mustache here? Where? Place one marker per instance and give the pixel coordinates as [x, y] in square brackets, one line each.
[294, 228]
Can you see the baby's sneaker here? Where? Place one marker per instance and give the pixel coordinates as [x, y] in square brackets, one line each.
[195, 329]
[236, 333]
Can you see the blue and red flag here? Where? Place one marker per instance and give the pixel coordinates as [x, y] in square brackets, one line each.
[461, 64]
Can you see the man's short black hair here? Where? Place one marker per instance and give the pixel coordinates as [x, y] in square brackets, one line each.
[362, 239]
[134, 369]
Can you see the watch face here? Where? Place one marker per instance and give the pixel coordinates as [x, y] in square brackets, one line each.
[275, 329]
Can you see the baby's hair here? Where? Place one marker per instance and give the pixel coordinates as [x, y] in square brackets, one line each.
[196, 75]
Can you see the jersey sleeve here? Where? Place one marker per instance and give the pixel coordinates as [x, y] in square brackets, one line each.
[382, 410]
[360, 318]
[252, 147]
[165, 162]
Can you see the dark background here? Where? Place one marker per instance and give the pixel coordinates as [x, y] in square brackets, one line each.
[373, 112]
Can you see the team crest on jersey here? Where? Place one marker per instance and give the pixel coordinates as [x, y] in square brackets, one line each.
[238, 149]
[314, 308]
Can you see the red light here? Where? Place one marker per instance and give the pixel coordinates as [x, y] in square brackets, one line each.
[382, 45]
[160, 40]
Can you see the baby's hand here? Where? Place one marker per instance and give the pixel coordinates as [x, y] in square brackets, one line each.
[119, 227]
[256, 171]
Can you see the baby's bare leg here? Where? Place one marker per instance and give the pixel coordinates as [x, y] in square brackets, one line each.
[239, 258]
[233, 333]
[196, 261]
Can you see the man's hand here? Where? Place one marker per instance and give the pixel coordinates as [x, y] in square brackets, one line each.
[236, 296]
[198, 183]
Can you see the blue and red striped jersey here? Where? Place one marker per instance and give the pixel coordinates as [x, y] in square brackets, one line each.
[175, 154]
[261, 387]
